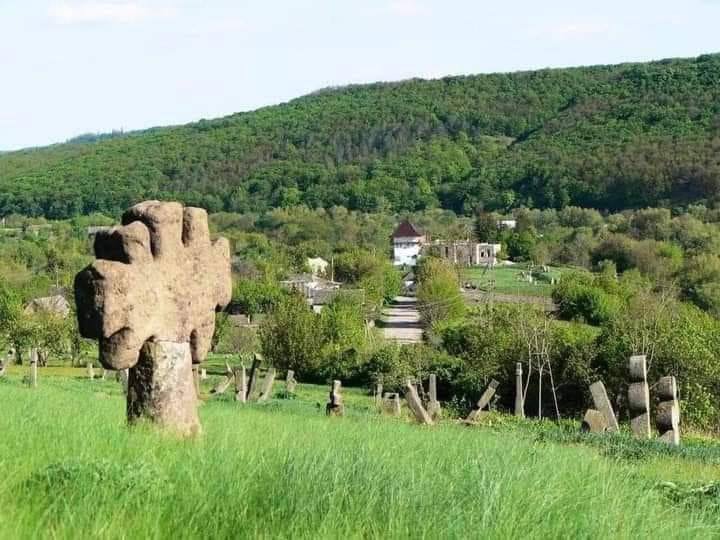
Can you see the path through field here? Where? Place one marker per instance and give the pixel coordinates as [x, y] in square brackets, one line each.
[401, 320]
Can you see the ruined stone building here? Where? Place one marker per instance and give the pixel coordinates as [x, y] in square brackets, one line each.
[465, 252]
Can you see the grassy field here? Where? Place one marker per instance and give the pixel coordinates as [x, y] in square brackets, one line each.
[507, 280]
[71, 469]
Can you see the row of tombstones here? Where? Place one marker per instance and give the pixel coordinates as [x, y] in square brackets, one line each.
[667, 414]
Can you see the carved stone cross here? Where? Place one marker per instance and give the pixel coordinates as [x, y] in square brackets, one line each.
[150, 300]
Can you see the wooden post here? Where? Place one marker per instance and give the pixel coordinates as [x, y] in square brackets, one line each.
[90, 371]
[639, 397]
[415, 405]
[602, 404]
[667, 418]
[33, 368]
[519, 401]
[240, 384]
[335, 405]
[267, 385]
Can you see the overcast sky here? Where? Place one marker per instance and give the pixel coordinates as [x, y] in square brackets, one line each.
[77, 66]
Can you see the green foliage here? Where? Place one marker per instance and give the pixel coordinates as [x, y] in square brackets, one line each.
[580, 296]
[438, 292]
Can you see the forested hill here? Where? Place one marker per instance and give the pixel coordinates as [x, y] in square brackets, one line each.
[608, 137]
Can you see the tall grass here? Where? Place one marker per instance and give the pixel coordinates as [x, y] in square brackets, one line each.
[71, 469]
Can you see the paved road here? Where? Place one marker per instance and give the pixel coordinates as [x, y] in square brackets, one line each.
[401, 320]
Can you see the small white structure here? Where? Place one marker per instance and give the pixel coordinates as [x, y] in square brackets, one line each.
[317, 265]
[407, 244]
[507, 224]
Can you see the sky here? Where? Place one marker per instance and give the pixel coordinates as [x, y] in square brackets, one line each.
[78, 66]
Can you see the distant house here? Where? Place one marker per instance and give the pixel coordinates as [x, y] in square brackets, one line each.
[318, 266]
[466, 252]
[316, 290]
[407, 244]
[54, 305]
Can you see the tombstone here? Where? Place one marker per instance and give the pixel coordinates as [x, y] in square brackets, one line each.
[378, 395]
[254, 375]
[519, 401]
[104, 374]
[639, 397]
[33, 368]
[90, 371]
[602, 404]
[335, 405]
[415, 405]
[594, 422]
[667, 418]
[290, 382]
[433, 407]
[203, 374]
[391, 404]
[267, 386]
[484, 400]
[224, 383]
[150, 300]
[240, 384]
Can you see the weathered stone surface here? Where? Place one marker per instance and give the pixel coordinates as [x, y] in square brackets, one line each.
[335, 406]
[161, 388]
[196, 380]
[2, 368]
[240, 384]
[519, 401]
[267, 386]
[123, 376]
[433, 405]
[252, 390]
[90, 371]
[152, 292]
[378, 395]
[484, 400]
[158, 277]
[594, 422]
[667, 417]
[290, 382]
[602, 404]
[415, 404]
[33, 368]
[391, 404]
[639, 398]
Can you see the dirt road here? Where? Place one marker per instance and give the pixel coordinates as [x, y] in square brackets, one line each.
[401, 321]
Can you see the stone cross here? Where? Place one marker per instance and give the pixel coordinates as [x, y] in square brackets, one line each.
[639, 397]
[391, 403]
[267, 385]
[667, 418]
[335, 405]
[519, 401]
[150, 300]
[483, 401]
[415, 404]
[602, 404]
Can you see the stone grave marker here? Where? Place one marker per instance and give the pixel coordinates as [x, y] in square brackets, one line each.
[667, 417]
[378, 396]
[433, 408]
[267, 385]
[203, 374]
[90, 371]
[252, 391]
[519, 401]
[240, 384]
[33, 368]
[335, 406]
[639, 397]
[415, 404]
[391, 404]
[224, 383]
[150, 300]
[290, 382]
[602, 404]
[594, 422]
[484, 400]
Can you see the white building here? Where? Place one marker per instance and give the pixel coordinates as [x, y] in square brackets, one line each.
[507, 224]
[407, 243]
[466, 253]
[318, 266]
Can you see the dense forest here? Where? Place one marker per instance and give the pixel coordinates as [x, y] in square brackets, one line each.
[606, 137]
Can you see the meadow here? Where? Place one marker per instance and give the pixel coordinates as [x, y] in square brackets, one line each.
[71, 469]
[508, 280]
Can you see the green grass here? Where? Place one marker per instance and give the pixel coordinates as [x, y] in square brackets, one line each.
[71, 469]
[507, 280]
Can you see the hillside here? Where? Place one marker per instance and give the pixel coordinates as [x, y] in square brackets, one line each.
[609, 137]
